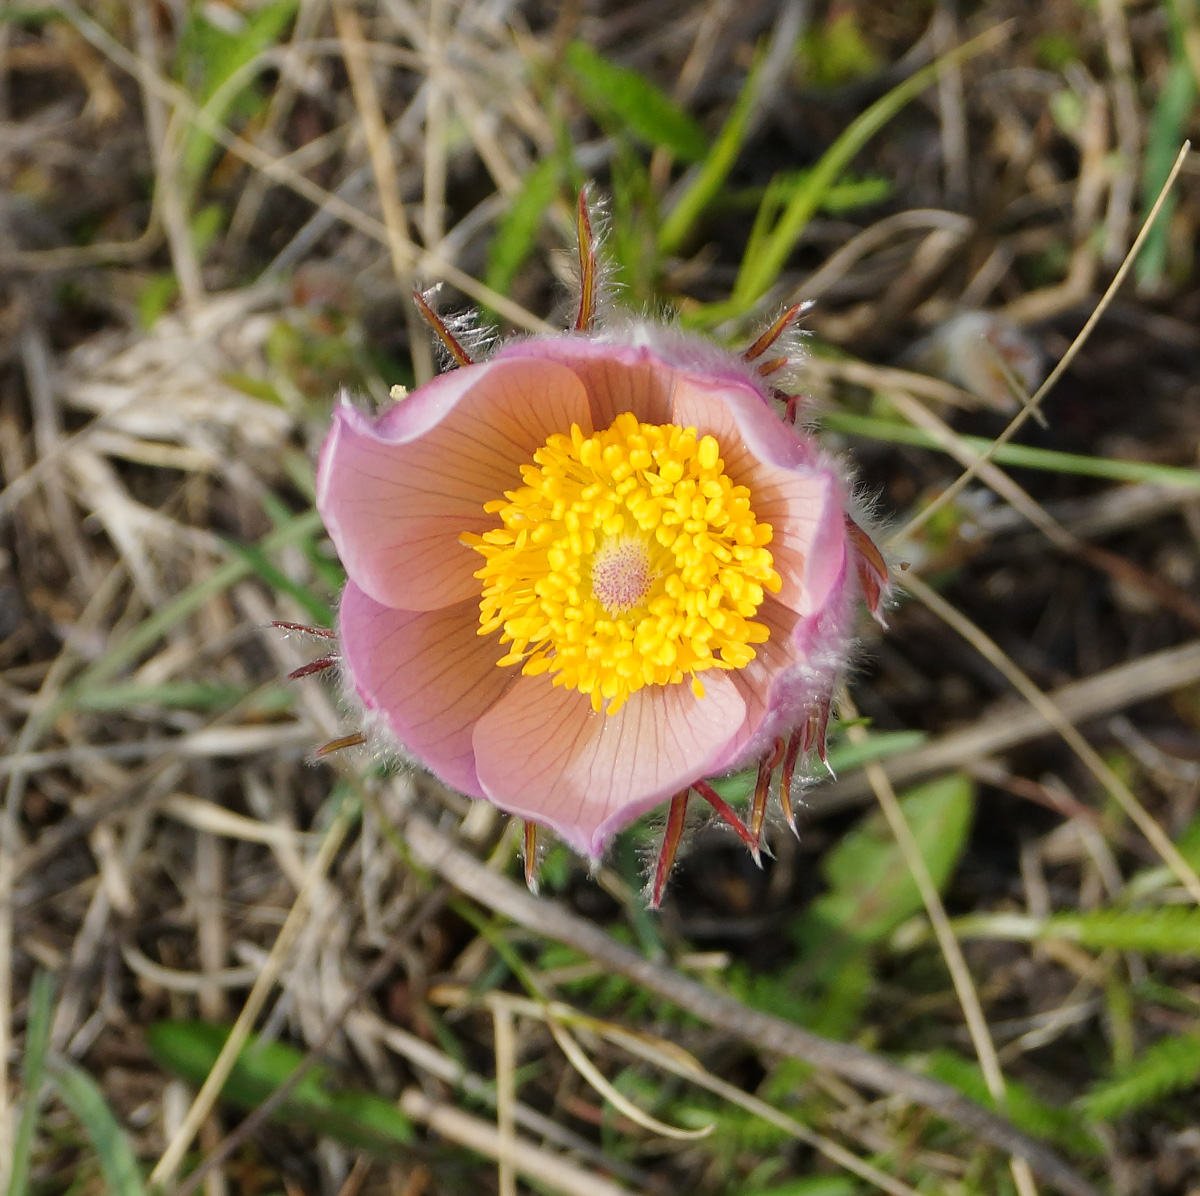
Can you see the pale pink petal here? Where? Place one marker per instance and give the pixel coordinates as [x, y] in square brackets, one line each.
[395, 496]
[809, 547]
[618, 378]
[796, 666]
[428, 675]
[790, 488]
[542, 753]
[772, 659]
[742, 420]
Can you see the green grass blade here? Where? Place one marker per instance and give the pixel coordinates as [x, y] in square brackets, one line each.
[1026, 456]
[758, 273]
[210, 56]
[150, 630]
[631, 243]
[765, 215]
[32, 14]
[353, 1116]
[33, 1068]
[171, 695]
[871, 889]
[1162, 1070]
[1171, 930]
[1166, 930]
[1168, 128]
[517, 231]
[714, 169]
[848, 194]
[878, 746]
[615, 92]
[82, 1096]
[319, 611]
[1023, 1107]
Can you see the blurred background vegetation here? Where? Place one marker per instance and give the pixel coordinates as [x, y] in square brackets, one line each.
[212, 216]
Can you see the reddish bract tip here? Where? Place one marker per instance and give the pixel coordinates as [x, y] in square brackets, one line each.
[456, 351]
[338, 745]
[872, 569]
[774, 332]
[531, 858]
[587, 265]
[762, 789]
[314, 666]
[785, 778]
[729, 816]
[320, 632]
[676, 816]
[813, 733]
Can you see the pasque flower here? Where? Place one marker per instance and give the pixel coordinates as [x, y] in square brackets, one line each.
[592, 571]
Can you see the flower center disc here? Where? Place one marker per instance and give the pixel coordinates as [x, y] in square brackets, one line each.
[628, 558]
[621, 575]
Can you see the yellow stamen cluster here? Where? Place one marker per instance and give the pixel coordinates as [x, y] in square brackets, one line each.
[627, 558]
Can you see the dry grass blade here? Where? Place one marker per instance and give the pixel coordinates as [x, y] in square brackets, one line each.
[1004, 727]
[964, 986]
[506, 1097]
[768, 1033]
[1029, 409]
[553, 1171]
[1120, 792]
[167, 1165]
[586, 1068]
[669, 1057]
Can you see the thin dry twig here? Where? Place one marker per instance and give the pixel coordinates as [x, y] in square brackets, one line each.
[669, 1057]
[540, 1165]
[1006, 726]
[960, 974]
[433, 849]
[171, 1158]
[428, 263]
[1120, 792]
[955, 488]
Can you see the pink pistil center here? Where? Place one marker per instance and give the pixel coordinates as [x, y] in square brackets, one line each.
[621, 575]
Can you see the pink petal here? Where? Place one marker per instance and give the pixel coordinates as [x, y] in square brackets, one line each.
[741, 419]
[428, 674]
[809, 545]
[618, 378]
[397, 495]
[790, 489]
[797, 666]
[772, 659]
[542, 753]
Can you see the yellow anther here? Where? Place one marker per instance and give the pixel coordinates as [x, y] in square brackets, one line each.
[626, 559]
